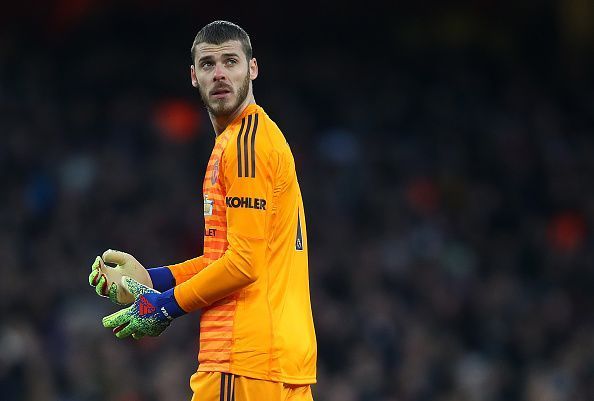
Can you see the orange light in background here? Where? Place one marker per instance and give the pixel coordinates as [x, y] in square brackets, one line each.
[65, 15]
[178, 120]
[422, 195]
[566, 231]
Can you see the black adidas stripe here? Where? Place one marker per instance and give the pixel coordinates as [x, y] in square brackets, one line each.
[246, 156]
[227, 391]
[254, 147]
[239, 145]
[246, 153]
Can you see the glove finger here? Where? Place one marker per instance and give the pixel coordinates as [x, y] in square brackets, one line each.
[96, 263]
[117, 319]
[113, 293]
[94, 278]
[101, 288]
[117, 257]
[95, 269]
[124, 331]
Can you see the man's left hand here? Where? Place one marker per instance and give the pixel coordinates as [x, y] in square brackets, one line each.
[149, 315]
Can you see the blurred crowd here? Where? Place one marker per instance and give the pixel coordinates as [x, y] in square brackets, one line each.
[448, 186]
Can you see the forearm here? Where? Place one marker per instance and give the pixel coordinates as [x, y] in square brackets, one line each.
[237, 268]
[167, 277]
[185, 270]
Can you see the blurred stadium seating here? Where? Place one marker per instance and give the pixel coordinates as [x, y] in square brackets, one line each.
[446, 155]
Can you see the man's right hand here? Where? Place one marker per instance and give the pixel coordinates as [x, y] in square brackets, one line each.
[107, 280]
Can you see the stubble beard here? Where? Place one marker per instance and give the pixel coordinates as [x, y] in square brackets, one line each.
[219, 107]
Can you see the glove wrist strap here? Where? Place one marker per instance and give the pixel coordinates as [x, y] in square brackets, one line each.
[162, 278]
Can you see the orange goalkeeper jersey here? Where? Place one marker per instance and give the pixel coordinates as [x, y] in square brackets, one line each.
[252, 282]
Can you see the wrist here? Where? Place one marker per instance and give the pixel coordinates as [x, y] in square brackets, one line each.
[162, 278]
[169, 306]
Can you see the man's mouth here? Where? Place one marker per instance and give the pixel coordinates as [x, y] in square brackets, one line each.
[220, 93]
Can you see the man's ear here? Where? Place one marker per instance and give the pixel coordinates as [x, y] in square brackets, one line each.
[193, 76]
[253, 69]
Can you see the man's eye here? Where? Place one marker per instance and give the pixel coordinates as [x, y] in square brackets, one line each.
[231, 61]
[206, 65]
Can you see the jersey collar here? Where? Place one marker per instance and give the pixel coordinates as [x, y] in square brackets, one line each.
[250, 109]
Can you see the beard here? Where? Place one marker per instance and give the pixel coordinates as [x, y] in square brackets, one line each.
[220, 107]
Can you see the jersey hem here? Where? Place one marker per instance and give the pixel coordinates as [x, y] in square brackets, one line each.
[260, 376]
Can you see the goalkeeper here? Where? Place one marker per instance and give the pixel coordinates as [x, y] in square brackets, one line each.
[257, 339]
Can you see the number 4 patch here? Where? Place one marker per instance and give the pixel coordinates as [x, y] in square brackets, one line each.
[299, 239]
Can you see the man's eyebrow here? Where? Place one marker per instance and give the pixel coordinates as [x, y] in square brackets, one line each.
[209, 57]
[204, 58]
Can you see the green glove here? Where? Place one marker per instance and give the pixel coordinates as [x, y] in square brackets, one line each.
[106, 279]
[98, 279]
[150, 314]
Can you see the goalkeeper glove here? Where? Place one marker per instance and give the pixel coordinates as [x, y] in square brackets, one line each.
[150, 314]
[106, 280]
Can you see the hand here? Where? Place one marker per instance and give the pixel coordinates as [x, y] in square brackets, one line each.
[149, 315]
[106, 280]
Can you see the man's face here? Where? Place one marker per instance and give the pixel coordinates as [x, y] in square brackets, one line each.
[223, 76]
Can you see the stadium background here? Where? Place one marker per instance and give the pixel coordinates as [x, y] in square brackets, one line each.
[445, 153]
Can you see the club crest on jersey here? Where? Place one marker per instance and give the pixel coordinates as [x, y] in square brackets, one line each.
[215, 172]
[208, 206]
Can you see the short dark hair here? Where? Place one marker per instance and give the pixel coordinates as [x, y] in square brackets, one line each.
[218, 32]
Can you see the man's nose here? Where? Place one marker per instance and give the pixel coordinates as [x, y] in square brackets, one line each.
[219, 72]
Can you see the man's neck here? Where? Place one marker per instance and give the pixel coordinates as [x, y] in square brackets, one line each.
[220, 123]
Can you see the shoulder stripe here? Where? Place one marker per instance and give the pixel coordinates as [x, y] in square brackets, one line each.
[246, 147]
[239, 147]
[255, 131]
[246, 153]
[241, 150]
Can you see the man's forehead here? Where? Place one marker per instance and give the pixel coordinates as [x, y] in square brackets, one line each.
[209, 49]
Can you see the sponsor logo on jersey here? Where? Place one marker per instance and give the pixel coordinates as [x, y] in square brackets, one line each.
[208, 206]
[245, 202]
[210, 232]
